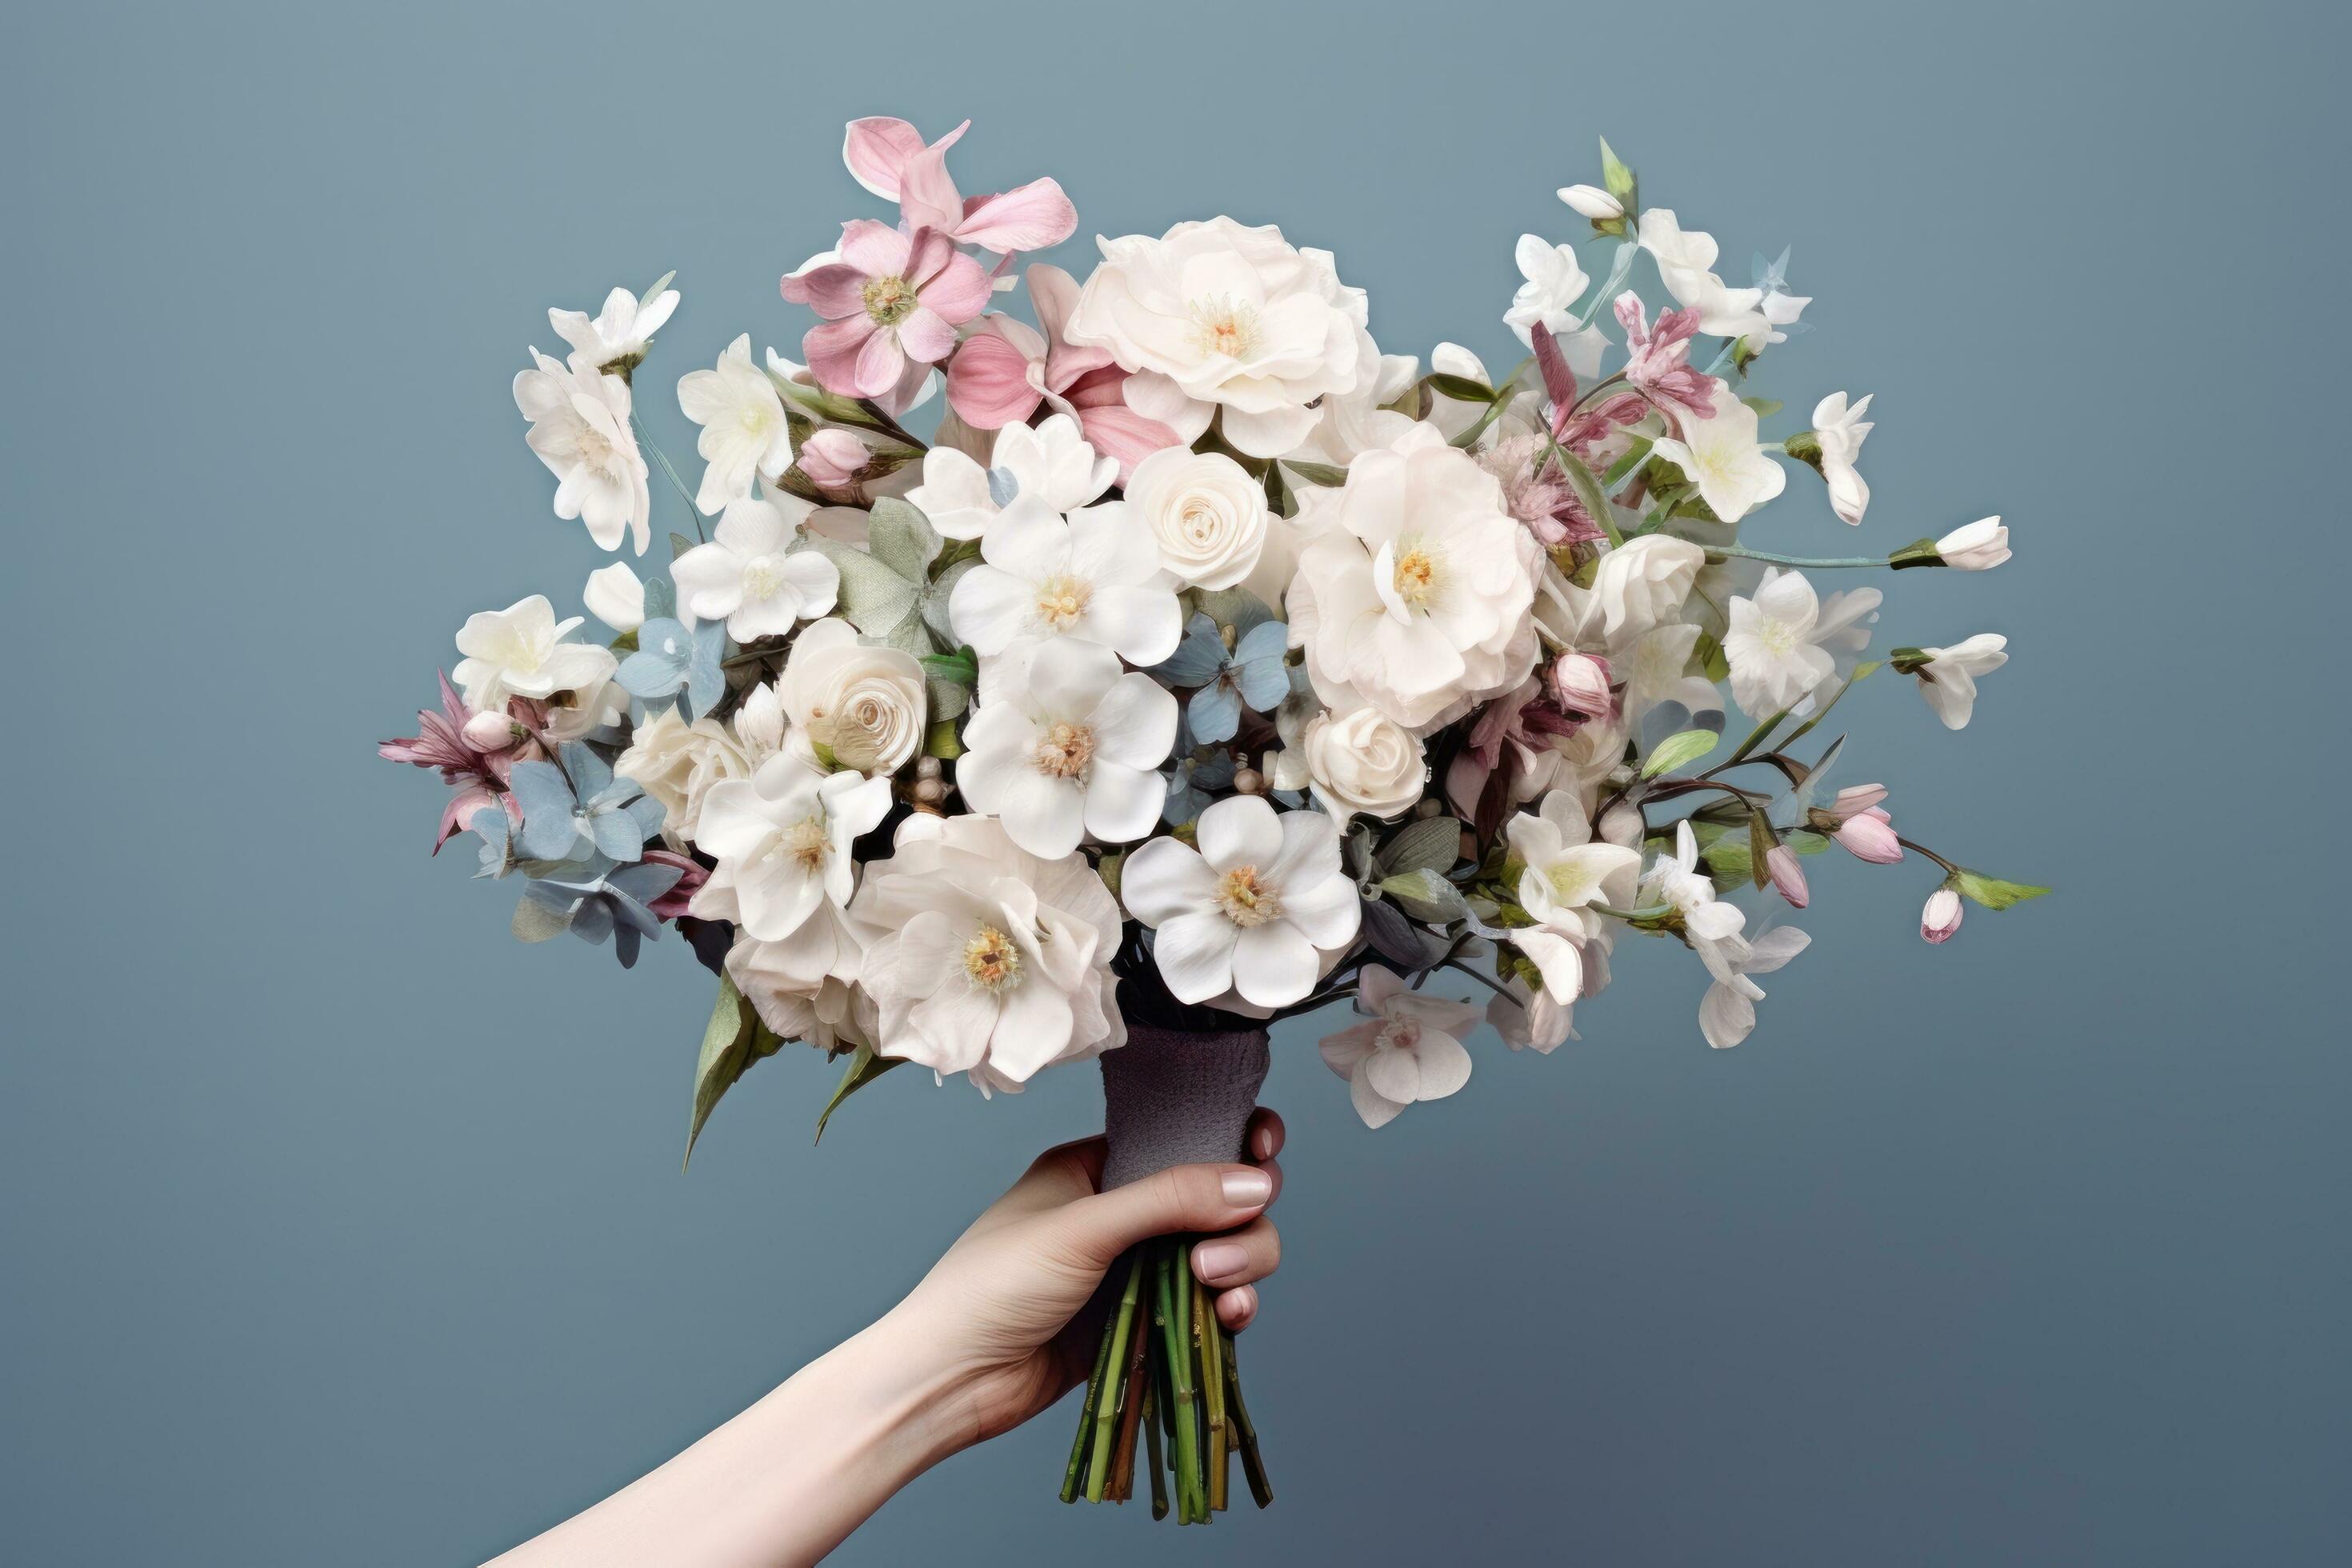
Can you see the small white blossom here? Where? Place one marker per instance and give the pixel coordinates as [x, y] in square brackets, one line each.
[1978, 546]
[520, 651]
[1948, 677]
[1840, 430]
[744, 434]
[749, 575]
[1721, 455]
[1066, 746]
[1409, 1050]
[579, 429]
[621, 331]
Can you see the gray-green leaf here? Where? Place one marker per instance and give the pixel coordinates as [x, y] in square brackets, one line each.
[864, 1067]
[1991, 891]
[1677, 750]
[1426, 896]
[1432, 844]
[732, 1042]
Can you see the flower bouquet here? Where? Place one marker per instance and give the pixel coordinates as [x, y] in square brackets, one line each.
[1206, 667]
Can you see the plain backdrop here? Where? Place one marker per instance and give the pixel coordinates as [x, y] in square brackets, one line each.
[336, 1227]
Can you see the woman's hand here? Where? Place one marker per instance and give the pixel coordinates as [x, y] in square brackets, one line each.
[1005, 1309]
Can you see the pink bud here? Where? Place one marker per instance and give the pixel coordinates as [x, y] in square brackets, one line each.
[1580, 682]
[1853, 802]
[1941, 918]
[1870, 835]
[833, 460]
[489, 732]
[1787, 876]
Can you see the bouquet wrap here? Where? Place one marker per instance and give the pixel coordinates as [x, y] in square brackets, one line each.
[1178, 1096]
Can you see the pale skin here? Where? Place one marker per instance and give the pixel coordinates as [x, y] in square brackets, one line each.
[998, 1330]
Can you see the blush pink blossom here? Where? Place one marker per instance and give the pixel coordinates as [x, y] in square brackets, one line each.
[475, 772]
[1656, 360]
[1870, 836]
[1787, 876]
[1941, 921]
[1579, 683]
[892, 303]
[831, 459]
[888, 158]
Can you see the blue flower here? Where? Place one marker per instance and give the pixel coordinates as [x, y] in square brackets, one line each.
[672, 661]
[1193, 783]
[599, 900]
[581, 809]
[1251, 674]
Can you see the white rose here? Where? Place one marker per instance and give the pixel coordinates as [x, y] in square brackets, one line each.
[1642, 583]
[1216, 314]
[1207, 514]
[865, 705]
[1363, 762]
[676, 762]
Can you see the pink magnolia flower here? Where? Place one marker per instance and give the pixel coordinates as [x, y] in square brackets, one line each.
[832, 458]
[1656, 360]
[1870, 835]
[477, 772]
[1579, 683]
[1006, 368]
[888, 158]
[892, 303]
[1788, 877]
[1941, 918]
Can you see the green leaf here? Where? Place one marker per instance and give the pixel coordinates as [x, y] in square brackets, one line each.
[1329, 475]
[864, 1067]
[660, 283]
[1991, 891]
[1588, 491]
[1712, 661]
[874, 597]
[941, 741]
[1460, 388]
[1765, 407]
[1426, 896]
[1677, 750]
[1431, 844]
[1730, 857]
[961, 666]
[732, 1042]
[1756, 738]
[1615, 177]
[1759, 846]
[900, 536]
[678, 545]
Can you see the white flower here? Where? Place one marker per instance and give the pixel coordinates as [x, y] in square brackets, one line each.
[865, 705]
[750, 577]
[1529, 1019]
[1249, 909]
[1642, 584]
[1363, 762]
[1413, 598]
[593, 705]
[1566, 873]
[580, 428]
[1773, 643]
[983, 958]
[621, 331]
[1348, 422]
[1554, 284]
[1066, 746]
[1216, 313]
[1592, 202]
[1205, 512]
[1094, 576]
[1947, 677]
[1721, 455]
[1050, 463]
[1727, 1012]
[832, 1014]
[1710, 925]
[520, 651]
[1840, 430]
[1978, 546]
[1409, 1050]
[676, 762]
[615, 596]
[1686, 261]
[743, 429]
[782, 839]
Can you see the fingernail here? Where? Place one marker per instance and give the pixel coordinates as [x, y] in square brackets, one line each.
[1217, 1260]
[1247, 1189]
[1262, 1143]
[1238, 1306]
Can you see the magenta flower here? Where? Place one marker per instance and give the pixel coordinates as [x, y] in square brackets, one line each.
[1656, 361]
[1504, 746]
[892, 303]
[479, 773]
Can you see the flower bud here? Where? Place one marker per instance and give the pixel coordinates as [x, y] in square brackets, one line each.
[1249, 781]
[1856, 799]
[1579, 682]
[491, 731]
[1941, 918]
[831, 459]
[1870, 835]
[615, 596]
[1592, 202]
[1978, 546]
[1787, 876]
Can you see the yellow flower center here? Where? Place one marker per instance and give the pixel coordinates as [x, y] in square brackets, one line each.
[807, 842]
[1062, 599]
[763, 576]
[1065, 751]
[991, 959]
[889, 300]
[1221, 325]
[1246, 900]
[1416, 576]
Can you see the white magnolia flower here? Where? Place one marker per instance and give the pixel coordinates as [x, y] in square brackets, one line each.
[1727, 1012]
[1710, 925]
[1592, 202]
[614, 595]
[1413, 597]
[1978, 546]
[1066, 746]
[620, 333]
[1348, 422]
[750, 576]
[1529, 1020]
[1566, 873]
[1207, 514]
[1093, 576]
[782, 839]
[744, 434]
[1948, 677]
[1409, 1050]
[1721, 455]
[580, 428]
[1251, 910]
[1218, 314]
[1362, 761]
[1643, 584]
[598, 704]
[1840, 430]
[1774, 644]
[520, 651]
[983, 958]
[1554, 284]
[833, 1015]
[1050, 463]
[1686, 261]
[864, 704]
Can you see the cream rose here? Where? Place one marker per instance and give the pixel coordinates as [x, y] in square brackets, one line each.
[864, 705]
[1207, 514]
[1363, 762]
[676, 762]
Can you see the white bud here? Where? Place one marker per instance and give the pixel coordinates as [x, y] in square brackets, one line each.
[1941, 918]
[1592, 202]
[615, 596]
[1978, 546]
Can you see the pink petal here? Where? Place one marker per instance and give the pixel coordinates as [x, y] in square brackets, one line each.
[833, 351]
[988, 384]
[927, 197]
[875, 249]
[1032, 218]
[924, 338]
[876, 149]
[1559, 382]
[958, 290]
[1118, 431]
[832, 290]
[881, 361]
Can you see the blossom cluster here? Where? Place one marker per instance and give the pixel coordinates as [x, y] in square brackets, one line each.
[1204, 656]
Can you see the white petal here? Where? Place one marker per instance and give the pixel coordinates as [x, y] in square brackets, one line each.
[1122, 803]
[1376, 1111]
[1135, 722]
[1274, 965]
[1393, 1074]
[1445, 1065]
[1195, 954]
[1164, 879]
[1240, 830]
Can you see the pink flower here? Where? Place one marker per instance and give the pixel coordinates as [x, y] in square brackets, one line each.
[1941, 918]
[831, 459]
[888, 158]
[1579, 683]
[1787, 876]
[1006, 368]
[690, 876]
[1503, 744]
[1656, 361]
[1870, 835]
[1856, 798]
[477, 772]
[891, 301]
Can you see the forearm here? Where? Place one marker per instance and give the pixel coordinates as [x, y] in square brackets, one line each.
[786, 1481]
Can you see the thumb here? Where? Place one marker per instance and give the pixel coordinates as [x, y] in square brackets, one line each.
[1181, 1198]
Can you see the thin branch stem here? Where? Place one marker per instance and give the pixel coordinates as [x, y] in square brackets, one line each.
[646, 439]
[1819, 563]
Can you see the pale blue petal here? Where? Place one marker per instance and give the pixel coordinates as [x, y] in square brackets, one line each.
[1214, 712]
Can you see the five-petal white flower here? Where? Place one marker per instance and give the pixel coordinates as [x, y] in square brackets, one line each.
[1773, 643]
[1554, 284]
[1409, 1050]
[750, 577]
[744, 433]
[1727, 1012]
[1251, 909]
[1721, 455]
[1064, 745]
[782, 839]
[1948, 677]
[520, 651]
[1566, 873]
[580, 428]
[623, 330]
[1050, 463]
[1093, 576]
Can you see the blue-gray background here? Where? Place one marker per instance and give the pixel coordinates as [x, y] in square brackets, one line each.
[338, 1228]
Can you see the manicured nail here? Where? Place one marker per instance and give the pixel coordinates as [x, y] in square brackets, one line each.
[1247, 1189]
[1219, 1260]
[1262, 1143]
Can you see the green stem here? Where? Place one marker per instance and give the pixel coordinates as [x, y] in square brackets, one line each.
[1115, 1365]
[1930, 854]
[1252, 1464]
[1154, 1459]
[1178, 1307]
[646, 439]
[1212, 1383]
[1822, 562]
[1077, 1467]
